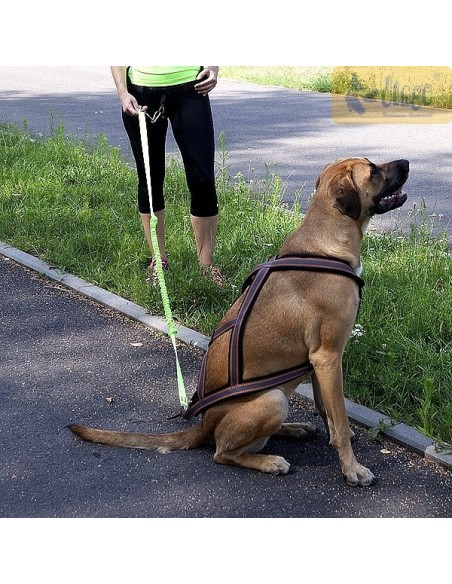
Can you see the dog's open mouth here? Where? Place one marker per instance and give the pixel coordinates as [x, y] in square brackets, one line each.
[391, 201]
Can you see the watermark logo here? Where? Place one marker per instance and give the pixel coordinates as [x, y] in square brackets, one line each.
[392, 95]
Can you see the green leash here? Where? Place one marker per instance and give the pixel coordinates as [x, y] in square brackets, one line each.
[172, 330]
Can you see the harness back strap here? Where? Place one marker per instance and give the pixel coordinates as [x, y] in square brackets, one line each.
[236, 385]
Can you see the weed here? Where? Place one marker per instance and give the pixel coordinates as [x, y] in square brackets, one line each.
[377, 431]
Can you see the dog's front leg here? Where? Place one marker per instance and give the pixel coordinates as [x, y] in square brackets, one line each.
[320, 407]
[327, 383]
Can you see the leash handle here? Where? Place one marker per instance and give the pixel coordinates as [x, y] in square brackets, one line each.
[145, 149]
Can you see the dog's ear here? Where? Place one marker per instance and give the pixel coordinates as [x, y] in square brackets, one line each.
[328, 167]
[347, 198]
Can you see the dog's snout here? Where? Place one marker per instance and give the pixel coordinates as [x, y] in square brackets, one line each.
[403, 165]
[397, 170]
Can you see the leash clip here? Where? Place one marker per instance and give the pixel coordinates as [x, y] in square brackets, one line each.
[158, 114]
[179, 415]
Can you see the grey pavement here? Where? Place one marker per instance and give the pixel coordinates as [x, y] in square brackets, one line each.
[68, 358]
[266, 129]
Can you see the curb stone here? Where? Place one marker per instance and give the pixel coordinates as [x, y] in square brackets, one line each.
[397, 432]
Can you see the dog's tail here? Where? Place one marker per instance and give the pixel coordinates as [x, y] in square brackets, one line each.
[183, 440]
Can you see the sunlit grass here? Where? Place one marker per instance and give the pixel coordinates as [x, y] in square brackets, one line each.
[426, 86]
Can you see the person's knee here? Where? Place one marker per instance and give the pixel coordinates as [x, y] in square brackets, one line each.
[204, 200]
[144, 206]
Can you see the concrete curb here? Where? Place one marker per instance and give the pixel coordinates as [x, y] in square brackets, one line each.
[395, 431]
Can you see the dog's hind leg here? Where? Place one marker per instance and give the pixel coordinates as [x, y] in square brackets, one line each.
[297, 430]
[328, 374]
[245, 429]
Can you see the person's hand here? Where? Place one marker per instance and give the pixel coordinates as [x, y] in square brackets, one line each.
[130, 105]
[207, 80]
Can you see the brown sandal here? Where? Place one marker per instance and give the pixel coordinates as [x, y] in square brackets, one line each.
[152, 269]
[212, 273]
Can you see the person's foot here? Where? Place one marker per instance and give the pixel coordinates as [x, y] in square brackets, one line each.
[212, 273]
[152, 271]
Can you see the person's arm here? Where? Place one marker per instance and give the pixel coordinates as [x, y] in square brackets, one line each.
[207, 79]
[128, 102]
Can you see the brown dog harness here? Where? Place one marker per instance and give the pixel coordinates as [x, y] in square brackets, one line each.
[236, 386]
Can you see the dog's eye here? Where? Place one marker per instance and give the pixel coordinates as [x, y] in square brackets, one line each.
[374, 172]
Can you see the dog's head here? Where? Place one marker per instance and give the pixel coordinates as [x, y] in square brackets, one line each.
[360, 189]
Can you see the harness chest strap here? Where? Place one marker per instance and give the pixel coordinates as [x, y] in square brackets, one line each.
[236, 385]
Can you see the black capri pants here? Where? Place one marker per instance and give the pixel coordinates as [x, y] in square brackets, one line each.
[191, 121]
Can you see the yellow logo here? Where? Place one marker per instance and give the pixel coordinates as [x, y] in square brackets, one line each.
[392, 95]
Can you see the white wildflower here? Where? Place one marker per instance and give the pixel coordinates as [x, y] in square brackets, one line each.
[358, 331]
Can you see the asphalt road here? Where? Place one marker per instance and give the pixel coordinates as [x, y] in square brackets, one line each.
[266, 129]
[66, 359]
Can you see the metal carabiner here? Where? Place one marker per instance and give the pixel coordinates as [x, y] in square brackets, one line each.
[159, 113]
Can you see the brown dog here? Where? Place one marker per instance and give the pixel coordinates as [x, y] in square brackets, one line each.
[298, 316]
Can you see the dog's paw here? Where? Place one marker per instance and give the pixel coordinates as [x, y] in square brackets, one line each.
[359, 475]
[307, 429]
[275, 465]
[297, 430]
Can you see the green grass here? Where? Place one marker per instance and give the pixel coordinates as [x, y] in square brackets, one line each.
[407, 325]
[427, 86]
[74, 205]
[303, 78]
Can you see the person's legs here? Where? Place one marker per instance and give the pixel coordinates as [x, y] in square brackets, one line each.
[191, 120]
[145, 221]
[152, 276]
[205, 229]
